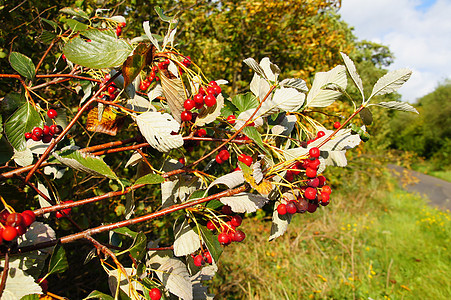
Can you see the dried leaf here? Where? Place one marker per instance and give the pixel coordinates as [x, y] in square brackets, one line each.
[209, 114]
[175, 95]
[109, 124]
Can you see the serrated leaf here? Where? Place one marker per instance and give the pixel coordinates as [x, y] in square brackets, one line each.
[23, 120]
[353, 73]
[252, 133]
[75, 25]
[47, 37]
[320, 97]
[142, 56]
[175, 277]
[366, 116]
[335, 158]
[58, 261]
[76, 12]
[390, 82]
[245, 101]
[279, 224]
[19, 284]
[175, 95]
[211, 241]
[187, 241]
[398, 105]
[296, 83]
[158, 129]
[150, 179]
[23, 158]
[288, 99]
[22, 64]
[85, 162]
[138, 250]
[209, 114]
[104, 50]
[244, 202]
[51, 23]
[98, 295]
[253, 64]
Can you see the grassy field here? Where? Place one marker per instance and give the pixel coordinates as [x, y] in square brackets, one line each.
[376, 243]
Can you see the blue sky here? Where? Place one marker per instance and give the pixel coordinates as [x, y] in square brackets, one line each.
[418, 32]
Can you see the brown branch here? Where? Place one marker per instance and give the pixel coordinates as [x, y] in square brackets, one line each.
[45, 54]
[4, 274]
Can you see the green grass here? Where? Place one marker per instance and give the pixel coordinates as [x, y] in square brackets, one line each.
[429, 169]
[381, 243]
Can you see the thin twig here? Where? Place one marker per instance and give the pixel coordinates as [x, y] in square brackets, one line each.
[4, 274]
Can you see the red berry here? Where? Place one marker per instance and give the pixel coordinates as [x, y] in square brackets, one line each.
[211, 91]
[44, 284]
[326, 189]
[20, 229]
[58, 129]
[202, 91]
[282, 209]
[210, 100]
[111, 89]
[291, 208]
[227, 210]
[211, 225]
[224, 155]
[38, 132]
[207, 257]
[143, 86]
[325, 197]
[337, 125]
[201, 132]
[47, 138]
[310, 193]
[314, 164]
[35, 138]
[14, 219]
[28, 217]
[198, 98]
[314, 182]
[238, 236]
[182, 160]
[189, 104]
[161, 65]
[9, 233]
[46, 129]
[213, 83]
[217, 89]
[231, 119]
[186, 116]
[236, 221]
[314, 152]
[311, 208]
[218, 159]
[245, 159]
[118, 31]
[198, 260]
[28, 135]
[289, 176]
[52, 114]
[224, 238]
[63, 56]
[322, 180]
[320, 134]
[310, 172]
[155, 294]
[199, 105]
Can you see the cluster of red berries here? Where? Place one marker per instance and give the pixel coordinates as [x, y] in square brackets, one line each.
[155, 294]
[222, 156]
[46, 133]
[112, 89]
[309, 165]
[145, 84]
[205, 96]
[245, 159]
[14, 224]
[64, 212]
[228, 230]
[119, 28]
[202, 258]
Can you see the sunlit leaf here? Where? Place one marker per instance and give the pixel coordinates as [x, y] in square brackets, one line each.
[110, 122]
[245, 101]
[296, 83]
[175, 277]
[23, 120]
[75, 25]
[209, 114]
[150, 179]
[186, 240]
[320, 97]
[398, 105]
[58, 261]
[142, 56]
[279, 224]
[175, 95]
[244, 202]
[390, 82]
[74, 11]
[19, 284]
[98, 295]
[353, 73]
[22, 64]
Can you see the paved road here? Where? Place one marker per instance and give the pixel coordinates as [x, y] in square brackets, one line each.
[438, 191]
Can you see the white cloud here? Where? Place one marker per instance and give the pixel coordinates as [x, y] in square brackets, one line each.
[418, 32]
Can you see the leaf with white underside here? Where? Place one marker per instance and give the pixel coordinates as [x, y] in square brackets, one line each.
[335, 158]
[154, 41]
[18, 284]
[84, 162]
[390, 82]
[158, 129]
[175, 278]
[279, 224]
[116, 279]
[353, 73]
[175, 95]
[296, 83]
[320, 97]
[253, 64]
[23, 158]
[230, 180]
[42, 202]
[244, 202]
[398, 105]
[186, 240]
[288, 99]
[209, 114]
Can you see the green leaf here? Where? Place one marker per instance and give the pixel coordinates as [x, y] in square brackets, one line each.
[197, 194]
[30, 297]
[104, 50]
[6, 152]
[58, 261]
[252, 133]
[214, 204]
[245, 101]
[162, 16]
[138, 250]
[51, 23]
[22, 64]
[126, 231]
[81, 161]
[211, 241]
[142, 56]
[23, 120]
[98, 295]
[366, 116]
[75, 25]
[150, 179]
[11, 102]
[47, 37]
[76, 12]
